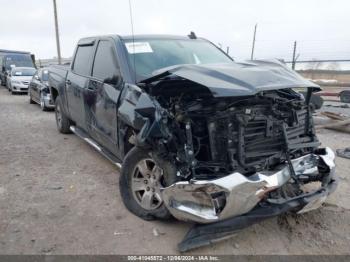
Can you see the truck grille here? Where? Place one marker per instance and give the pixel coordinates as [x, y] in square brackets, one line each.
[259, 141]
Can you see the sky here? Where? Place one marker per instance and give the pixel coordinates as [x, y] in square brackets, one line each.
[320, 27]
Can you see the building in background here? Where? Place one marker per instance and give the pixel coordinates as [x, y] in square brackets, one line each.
[52, 61]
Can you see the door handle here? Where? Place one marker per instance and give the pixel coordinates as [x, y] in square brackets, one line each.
[92, 85]
[68, 82]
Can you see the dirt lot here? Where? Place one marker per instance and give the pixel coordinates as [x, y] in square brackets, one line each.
[59, 196]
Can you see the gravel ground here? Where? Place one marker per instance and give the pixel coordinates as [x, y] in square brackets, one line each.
[59, 196]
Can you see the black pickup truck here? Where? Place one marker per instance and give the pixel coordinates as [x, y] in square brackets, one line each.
[198, 136]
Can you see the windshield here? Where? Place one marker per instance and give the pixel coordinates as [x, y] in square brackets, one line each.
[23, 72]
[154, 54]
[19, 60]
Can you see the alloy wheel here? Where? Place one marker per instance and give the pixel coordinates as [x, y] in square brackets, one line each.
[146, 183]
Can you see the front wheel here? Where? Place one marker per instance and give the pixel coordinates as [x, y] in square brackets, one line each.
[62, 121]
[141, 179]
[42, 102]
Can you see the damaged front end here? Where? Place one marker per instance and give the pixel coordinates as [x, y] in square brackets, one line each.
[243, 149]
[235, 194]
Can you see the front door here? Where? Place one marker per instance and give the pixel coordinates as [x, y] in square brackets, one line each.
[101, 96]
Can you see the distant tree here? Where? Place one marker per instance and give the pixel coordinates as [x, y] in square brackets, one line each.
[314, 66]
[333, 66]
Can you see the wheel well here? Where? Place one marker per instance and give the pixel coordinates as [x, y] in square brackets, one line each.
[128, 135]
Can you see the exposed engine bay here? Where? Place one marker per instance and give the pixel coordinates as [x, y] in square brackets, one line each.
[212, 137]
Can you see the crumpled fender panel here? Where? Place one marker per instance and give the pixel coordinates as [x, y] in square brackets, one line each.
[139, 111]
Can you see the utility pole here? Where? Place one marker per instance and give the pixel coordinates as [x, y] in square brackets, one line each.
[57, 33]
[253, 46]
[294, 55]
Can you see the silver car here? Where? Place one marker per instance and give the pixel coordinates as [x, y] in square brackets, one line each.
[19, 78]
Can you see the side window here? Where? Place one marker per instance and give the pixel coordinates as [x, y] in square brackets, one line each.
[105, 64]
[82, 61]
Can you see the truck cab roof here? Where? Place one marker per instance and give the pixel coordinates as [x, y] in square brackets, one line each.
[89, 40]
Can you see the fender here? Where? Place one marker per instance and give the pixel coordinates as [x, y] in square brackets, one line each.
[142, 113]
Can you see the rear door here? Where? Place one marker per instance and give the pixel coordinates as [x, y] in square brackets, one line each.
[77, 81]
[101, 96]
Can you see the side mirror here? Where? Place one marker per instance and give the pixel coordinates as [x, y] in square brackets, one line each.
[114, 81]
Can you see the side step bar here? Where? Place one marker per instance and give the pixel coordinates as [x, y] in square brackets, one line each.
[83, 135]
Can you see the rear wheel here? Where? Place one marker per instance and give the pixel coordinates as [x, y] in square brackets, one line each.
[140, 182]
[62, 121]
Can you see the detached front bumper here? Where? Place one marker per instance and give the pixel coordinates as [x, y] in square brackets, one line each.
[223, 226]
[48, 101]
[235, 195]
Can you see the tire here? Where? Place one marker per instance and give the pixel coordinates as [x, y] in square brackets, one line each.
[345, 97]
[42, 102]
[316, 101]
[62, 121]
[133, 194]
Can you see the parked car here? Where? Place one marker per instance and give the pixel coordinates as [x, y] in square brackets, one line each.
[345, 96]
[9, 59]
[19, 78]
[39, 91]
[200, 137]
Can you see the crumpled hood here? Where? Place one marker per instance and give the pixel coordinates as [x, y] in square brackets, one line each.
[238, 79]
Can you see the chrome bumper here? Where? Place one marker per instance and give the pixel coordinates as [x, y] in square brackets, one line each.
[199, 201]
[48, 101]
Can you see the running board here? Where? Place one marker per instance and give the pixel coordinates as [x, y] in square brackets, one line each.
[83, 135]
